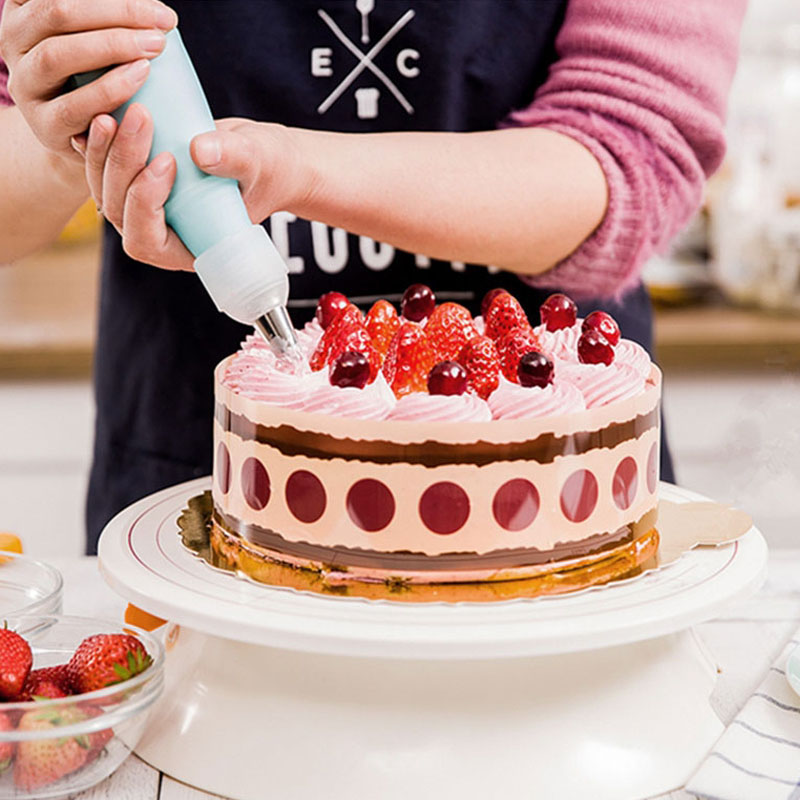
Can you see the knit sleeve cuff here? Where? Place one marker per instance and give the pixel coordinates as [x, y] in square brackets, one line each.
[609, 261]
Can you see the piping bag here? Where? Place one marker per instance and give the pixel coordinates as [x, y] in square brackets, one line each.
[236, 261]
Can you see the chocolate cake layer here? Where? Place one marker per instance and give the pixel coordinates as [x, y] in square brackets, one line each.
[544, 449]
[342, 557]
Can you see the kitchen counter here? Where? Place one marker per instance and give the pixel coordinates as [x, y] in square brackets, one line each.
[47, 324]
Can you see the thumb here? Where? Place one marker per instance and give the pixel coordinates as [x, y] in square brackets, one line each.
[227, 154]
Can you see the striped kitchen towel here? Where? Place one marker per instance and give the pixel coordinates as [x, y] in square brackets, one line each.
[758, 755]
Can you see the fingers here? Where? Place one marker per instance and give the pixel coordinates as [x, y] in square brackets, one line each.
[101, 134]
[126, 158]
[70, 114]
[226, 153]
[145, 235]
[46, 67]
[38, 19]
[231, 154]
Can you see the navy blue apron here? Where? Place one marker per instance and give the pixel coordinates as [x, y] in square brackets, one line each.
[341, 65]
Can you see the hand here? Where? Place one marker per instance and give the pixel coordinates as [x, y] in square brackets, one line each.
[264, 159]
[44, 42]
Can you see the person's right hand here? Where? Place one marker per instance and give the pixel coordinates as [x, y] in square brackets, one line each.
[44, 42]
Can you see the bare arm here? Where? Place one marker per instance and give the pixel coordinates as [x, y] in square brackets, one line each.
[44, 189]
[521, 199]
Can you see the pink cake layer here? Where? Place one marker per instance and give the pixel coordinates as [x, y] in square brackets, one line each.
[409, 487]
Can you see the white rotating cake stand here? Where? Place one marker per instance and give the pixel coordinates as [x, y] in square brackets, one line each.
[282, 694]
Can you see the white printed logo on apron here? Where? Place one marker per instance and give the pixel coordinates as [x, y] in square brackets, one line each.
[367, 98]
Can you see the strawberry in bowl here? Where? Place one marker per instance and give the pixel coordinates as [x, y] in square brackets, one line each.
[83, 690]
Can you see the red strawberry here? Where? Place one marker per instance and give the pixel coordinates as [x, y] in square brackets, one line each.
[449, 328]
[488, 298]
[512, 347]
[99, 739]
[44, 761]
[409, 360]
[6, 748]
[47, 682]
[347, 319]
[504, 315]
[15, 663]
[104, 659]
[382, 324]
[346, 332]
[481, 360]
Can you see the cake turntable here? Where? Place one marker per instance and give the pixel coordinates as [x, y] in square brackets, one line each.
[273, 691]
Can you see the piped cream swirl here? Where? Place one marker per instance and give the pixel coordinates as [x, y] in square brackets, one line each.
[563, 343]
[421, 407]
[601, 384]
[374, 401]
[634, 355]
[512, 401]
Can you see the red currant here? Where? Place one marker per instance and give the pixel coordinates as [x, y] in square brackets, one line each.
[594, 348]
[447, 377]
[418, 302]
[535, 369]
[350, 369]
[557, 312]
[603, 323]
[329, 306]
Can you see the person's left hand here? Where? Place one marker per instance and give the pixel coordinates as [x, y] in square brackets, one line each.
[263, 158]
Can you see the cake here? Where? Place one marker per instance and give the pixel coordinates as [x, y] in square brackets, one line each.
[433, 456]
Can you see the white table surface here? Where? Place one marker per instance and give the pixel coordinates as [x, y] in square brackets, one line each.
[744, 643]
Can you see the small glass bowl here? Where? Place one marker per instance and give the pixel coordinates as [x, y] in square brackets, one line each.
[28, 586]
[91, 733]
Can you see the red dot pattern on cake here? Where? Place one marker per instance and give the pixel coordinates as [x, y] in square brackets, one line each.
[256, 486]
[652, 469]
[579, 495]
[305, 496]
[223, 468]
[516, 504]
[444, 507]
[370, 505]
[625, 483]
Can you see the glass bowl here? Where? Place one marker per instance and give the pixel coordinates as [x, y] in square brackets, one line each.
[28, 586]
[72, 743]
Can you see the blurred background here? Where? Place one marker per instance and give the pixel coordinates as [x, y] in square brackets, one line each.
[727, 328]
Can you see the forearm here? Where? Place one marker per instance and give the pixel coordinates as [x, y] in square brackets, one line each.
[43, 190]
[520, 199]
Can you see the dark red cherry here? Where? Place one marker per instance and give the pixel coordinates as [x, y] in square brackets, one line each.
[557, 312]
[487, 300]
[350, 369]
[594, 348]
[535, 369]
[418, 302]
[447, 377]
[603, 323]
[329, 306]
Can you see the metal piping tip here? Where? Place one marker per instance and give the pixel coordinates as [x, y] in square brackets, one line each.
[276, 327]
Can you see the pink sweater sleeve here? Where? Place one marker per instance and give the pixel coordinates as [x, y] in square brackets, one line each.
[642, 84]
[5, 99]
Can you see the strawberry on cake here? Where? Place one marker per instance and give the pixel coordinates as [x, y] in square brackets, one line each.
[429, 455]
